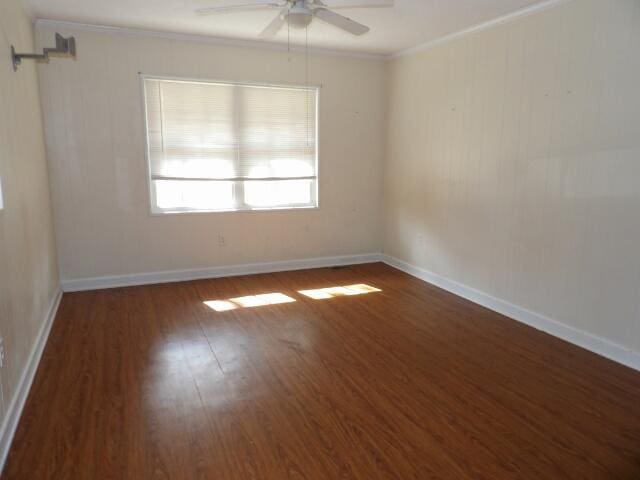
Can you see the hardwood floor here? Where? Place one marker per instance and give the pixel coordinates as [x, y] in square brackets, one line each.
[409, 382]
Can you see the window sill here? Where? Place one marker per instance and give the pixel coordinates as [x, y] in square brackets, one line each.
[227, 212]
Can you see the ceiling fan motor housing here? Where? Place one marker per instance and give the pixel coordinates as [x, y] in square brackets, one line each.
[299, 15]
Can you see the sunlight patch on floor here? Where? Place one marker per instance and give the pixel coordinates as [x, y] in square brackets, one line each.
[248, 301]
[347, 290]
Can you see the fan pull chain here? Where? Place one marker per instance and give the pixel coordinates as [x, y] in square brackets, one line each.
[306, 80]
[288, 40]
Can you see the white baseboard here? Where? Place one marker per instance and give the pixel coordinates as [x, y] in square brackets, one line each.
[580, 338]
[583, 339]
[76, 285]
[14, 410]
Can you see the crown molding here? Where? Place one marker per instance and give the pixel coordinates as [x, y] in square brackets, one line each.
[509, 17]
[186, 37]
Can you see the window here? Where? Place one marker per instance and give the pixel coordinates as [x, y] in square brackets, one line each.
[215, 146]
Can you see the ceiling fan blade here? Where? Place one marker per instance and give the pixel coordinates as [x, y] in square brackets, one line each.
[359, 4]
[238, 8]
[274, 27]
[340, 21]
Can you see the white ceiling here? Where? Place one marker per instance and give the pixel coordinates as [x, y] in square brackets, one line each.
[409, 23]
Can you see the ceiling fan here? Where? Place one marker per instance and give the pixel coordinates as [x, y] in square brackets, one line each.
[300, 13]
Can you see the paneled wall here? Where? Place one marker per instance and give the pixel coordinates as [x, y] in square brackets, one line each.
[28, 270]
[513, 164]
[94, 128]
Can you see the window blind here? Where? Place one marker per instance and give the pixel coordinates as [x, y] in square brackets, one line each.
[221, 146]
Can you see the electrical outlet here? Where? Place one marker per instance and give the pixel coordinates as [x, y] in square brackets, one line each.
[221, 241]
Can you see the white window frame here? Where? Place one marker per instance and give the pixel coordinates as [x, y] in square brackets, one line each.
[157, 212]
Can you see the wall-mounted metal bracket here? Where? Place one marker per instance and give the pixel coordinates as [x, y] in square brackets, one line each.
[65, 47]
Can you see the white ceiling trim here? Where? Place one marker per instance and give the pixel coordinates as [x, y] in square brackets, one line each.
[509, 17]
[186, 37]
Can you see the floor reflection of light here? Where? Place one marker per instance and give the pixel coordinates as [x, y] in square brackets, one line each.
[363, 288]
[275, 298]
[330, 292]
[221, 305]
[248, 301]
[175, 372]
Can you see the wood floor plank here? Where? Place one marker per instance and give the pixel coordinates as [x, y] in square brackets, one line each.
[409, 382]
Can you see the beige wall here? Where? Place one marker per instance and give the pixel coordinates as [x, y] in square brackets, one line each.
[514, 164]
[28, 271]
[94, 128]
